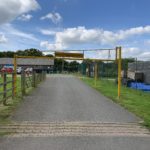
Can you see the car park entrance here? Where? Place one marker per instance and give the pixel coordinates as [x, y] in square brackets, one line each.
[79, 55]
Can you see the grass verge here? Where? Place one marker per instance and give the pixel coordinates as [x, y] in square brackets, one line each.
[135, 101]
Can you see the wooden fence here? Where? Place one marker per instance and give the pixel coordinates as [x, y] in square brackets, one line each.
[25, 81]
[7, 87]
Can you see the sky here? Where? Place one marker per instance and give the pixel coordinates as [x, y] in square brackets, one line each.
[76, 24]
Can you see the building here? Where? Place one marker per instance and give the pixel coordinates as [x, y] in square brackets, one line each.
[141, 66]
[35, 63]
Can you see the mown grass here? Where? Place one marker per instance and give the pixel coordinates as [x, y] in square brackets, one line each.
[135, 101]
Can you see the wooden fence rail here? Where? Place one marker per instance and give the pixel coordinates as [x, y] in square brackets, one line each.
[7, 88]
[31, 80]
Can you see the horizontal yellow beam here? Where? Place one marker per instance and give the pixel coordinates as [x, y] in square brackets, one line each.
[34, 57]
[86, 59]
[69, 55]
[45, 57]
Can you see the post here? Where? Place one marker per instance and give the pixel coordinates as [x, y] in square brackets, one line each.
[119, 71]
[33, 79]
[95, 72]
[4, 88]
[45, 73]
[13, 86]
[23, 83]
[88, 70]
[116, 54]
[62, 65]
[15, 74]
[98, 68]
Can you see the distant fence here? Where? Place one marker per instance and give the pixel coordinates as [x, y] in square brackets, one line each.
[24, 82]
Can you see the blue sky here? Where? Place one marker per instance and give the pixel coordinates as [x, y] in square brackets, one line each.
[76, 24]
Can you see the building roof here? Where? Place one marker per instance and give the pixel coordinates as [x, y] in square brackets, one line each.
[28, 61]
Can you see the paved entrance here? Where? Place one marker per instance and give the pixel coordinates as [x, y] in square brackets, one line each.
[63, 113]
[66, 98]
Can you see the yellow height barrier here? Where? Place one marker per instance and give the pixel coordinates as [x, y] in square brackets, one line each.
[118, 59]
[119, 70]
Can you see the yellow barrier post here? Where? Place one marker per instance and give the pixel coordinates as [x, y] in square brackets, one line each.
[15, 75]
[119, 71]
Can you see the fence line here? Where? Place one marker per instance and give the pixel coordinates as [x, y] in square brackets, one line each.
[7, 86]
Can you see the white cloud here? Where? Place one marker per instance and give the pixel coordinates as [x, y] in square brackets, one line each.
[136, 52]
[3, 39]
[81, 35]
[25, 17]
[55, 17]
[16, 39]
[131, 52]
[144, 55]
[10, 9]
[9, 30]
[49, 46]
[48, 32]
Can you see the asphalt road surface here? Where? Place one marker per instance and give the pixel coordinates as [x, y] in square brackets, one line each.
[76, 143]
[65, 98]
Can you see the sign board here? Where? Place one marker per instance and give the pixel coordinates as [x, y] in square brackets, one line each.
[69, 55]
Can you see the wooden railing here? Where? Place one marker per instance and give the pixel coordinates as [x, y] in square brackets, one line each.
[31, 80]
[7, 87]
[28, 80]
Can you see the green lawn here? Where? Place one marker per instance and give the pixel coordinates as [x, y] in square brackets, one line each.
[135, 101]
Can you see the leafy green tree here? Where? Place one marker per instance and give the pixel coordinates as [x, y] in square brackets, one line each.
[9, 54]
[29, 52]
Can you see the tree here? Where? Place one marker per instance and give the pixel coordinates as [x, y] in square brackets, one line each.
[125, 62]
[68, 66]
[73, 66]
[29, 52]
[49, 55]
[9, 54]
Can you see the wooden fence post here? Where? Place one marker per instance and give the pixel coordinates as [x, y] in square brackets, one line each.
[33, 79]
[40, 74]
[44, 75]
[4, 88]
[36, 78]
[23, 83]
[13, 86]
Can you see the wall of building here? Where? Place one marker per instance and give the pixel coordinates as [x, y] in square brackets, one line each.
[142, 67]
